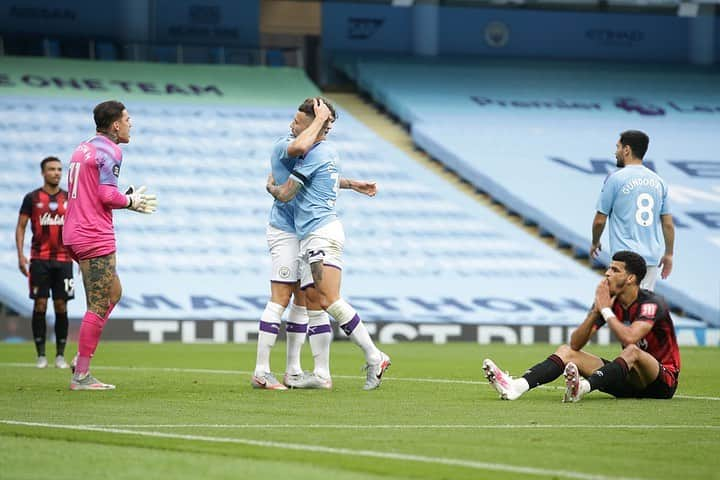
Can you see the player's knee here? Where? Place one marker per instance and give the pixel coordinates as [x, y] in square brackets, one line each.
[60, 306]
[40, 305]
[631, 352]
[281, 298]
[565, 352]
[326, 301]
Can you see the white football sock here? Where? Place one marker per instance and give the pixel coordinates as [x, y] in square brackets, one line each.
[521, 385]
[584, 387]
[320, 337]
[267, 334]
[297, 322]
[350, 322]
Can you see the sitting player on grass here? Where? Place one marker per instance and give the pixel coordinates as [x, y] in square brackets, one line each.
[649, 364]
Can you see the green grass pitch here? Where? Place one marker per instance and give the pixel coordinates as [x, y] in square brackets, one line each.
[188, 412]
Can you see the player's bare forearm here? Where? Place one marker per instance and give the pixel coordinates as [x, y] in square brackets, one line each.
[20, 235]
[597, 229]
[668, 229]
[19, 241]
[598, 226]
[628, 335]
[285, 192]
[307, 138]
[581, 335]
[360, 186]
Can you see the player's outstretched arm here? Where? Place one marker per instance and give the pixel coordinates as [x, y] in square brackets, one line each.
[360, 186]
[284, 192]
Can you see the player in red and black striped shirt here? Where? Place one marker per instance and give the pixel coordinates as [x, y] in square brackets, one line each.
[50, 264]
[647, 367]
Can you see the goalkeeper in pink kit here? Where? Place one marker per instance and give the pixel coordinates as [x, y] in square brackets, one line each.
[88, 233]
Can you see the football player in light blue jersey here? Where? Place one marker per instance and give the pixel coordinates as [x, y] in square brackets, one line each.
[283, 244]
[309, 125]
[314, 184]
[635, 199]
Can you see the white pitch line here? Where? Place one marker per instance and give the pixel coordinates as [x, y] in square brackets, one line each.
[351, 377]
[454, 462]
[243, 426]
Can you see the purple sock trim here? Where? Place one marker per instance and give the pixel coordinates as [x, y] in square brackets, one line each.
[350, 326]
[270, 327]
[318, 329]
[557, 361]
[296, 327]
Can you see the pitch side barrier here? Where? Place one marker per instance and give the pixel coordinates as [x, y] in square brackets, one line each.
[540, 138]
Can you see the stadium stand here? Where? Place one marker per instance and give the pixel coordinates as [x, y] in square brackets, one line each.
[420, 252]
[544, 138]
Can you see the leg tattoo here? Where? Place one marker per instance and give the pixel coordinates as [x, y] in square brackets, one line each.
[98, 274]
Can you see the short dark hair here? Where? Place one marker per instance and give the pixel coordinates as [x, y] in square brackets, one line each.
[307, 107]
[106, 113]
[47, 160]
[637, 141]
[634, 264]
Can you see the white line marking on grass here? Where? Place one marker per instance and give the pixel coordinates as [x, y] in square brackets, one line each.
[351, 377]
[696, 397]
[243, 426]
[499, 467]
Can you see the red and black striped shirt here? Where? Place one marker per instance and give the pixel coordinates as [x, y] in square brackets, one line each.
[47, 217]
[660, 342]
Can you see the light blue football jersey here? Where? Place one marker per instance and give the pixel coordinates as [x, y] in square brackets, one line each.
[281, 214]
[319, 174]
[634, 198]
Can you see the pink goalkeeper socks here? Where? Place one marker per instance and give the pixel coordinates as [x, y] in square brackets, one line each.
[90, 331]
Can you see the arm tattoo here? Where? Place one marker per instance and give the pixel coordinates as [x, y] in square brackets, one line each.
[288, 193]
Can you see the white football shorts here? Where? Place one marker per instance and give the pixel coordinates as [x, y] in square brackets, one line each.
[324, 244]
[648, 281]
[284, 250]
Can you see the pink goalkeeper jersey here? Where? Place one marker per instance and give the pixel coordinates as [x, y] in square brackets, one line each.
[88, 222]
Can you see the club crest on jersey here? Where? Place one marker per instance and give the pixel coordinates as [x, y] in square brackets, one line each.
[53, 206]
[648, 310]
[116, 170]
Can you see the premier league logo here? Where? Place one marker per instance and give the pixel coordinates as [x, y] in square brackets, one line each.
[633, 105]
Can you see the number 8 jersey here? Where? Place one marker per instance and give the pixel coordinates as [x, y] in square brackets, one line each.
[634, 198]
[88, 220]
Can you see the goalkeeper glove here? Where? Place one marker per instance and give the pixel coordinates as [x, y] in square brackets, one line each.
[140, 201]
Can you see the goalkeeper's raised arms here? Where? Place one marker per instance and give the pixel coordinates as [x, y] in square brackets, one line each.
[140, 201]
